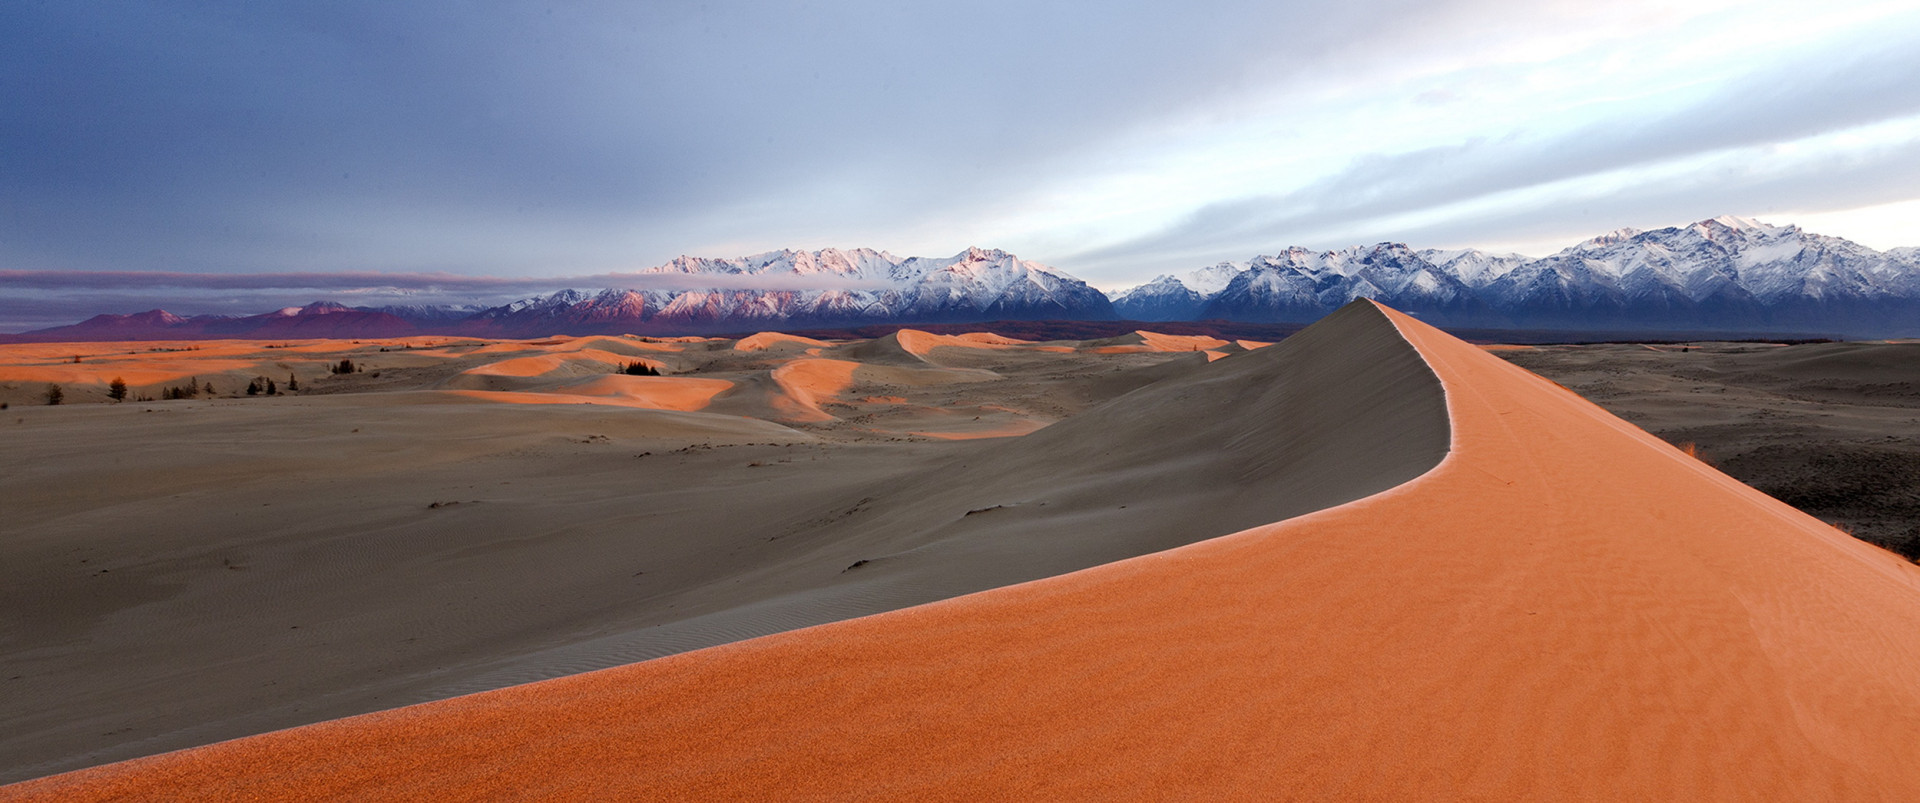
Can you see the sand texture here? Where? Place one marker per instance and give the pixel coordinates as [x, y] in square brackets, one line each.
[1562, 607]
[176, 573]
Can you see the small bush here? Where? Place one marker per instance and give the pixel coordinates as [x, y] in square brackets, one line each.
[55, 395]
[640, 369]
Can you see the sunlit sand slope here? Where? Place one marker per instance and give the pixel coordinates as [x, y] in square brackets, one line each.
[1563, 608]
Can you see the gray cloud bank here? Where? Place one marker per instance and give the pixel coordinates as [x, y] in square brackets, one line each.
[412, 150]
[527, 138]
[36, 299]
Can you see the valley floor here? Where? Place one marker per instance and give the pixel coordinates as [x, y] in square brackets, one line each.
[1830, 428]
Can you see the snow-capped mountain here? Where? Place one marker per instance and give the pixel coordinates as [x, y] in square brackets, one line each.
[1721, 273]
[1724, 274]
[1170, 298]
[817, 288]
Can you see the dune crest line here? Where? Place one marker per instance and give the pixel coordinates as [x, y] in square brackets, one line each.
[1564, 606]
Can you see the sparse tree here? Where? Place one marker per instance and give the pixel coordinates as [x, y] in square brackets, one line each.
[271, 389]
[209, 389]
[55, 395]
[293, 382]
[76, 358]
[253, 388]
[117, 389]
[345, 367]
[637, 368]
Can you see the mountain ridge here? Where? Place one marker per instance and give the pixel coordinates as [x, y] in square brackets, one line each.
[1725, 274]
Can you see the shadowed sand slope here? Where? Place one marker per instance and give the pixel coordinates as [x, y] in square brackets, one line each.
[1340, 411]
[1563, 607]
[568, 554]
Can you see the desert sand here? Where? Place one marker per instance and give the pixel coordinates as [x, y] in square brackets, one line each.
[462, 515]
[1476, 585]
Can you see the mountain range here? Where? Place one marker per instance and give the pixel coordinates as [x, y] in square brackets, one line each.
[1726, 275]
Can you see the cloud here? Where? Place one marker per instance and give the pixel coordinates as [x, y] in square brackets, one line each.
[414, 282]
[1820, 92]
[34, 299]
[509, 137]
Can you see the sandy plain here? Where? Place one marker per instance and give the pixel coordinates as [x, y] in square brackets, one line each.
[1446, 577]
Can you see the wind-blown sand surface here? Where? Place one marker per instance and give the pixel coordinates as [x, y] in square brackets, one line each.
[1562, 607]
[175, 573]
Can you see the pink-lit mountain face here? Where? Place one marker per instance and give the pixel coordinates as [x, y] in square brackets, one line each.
[1724, 274]
[1727, 275]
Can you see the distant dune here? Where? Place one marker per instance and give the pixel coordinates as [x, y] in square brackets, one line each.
[1510, 595]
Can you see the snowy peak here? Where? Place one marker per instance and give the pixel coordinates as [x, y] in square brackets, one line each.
[1734, 222]
[1728, 273]
[976, 284]
[316, 308]
[1212, 279]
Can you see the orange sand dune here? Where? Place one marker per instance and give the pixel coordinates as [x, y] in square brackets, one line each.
[560, 345]
[914, 348]
[1252, 345]
[920, 343]
[1564, 608]
[139, 364]
[786, 397]
[767, 340]
[570, 363]
[136, 373]
[1143, 341]
[812, 380]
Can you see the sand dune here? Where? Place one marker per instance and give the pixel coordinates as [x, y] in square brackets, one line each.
[644, 392]
[1143, 341]
[569, 550]
[775, 340]
[1562, 607]
[573, 363]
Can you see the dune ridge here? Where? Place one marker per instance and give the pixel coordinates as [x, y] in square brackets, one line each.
[651, 532]
[1563, 606]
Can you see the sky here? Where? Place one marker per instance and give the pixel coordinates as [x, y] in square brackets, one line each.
[239, 156]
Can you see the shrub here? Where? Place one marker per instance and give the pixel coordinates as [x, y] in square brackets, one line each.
[55, 395]
[637, 368]
[117, 389]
